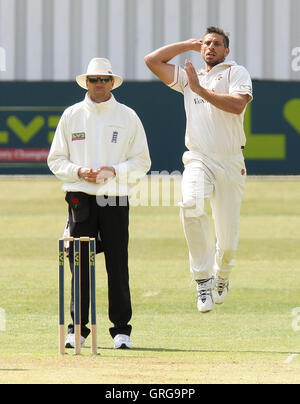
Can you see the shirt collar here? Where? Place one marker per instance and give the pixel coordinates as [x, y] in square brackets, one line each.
[220, 65]
[100, 105]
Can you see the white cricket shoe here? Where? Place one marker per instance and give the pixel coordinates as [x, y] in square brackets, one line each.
[70, 341]
[221, 290]
[122, 341]
[205, 299]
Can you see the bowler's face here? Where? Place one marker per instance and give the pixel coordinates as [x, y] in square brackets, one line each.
[100, 91]
[213, 49]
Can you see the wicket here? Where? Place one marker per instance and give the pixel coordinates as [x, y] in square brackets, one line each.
[77, 292]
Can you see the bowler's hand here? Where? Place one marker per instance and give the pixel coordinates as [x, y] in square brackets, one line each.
[195, 44]
[192, 76]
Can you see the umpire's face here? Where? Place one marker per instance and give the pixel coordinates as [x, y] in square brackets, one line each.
[99, 87]
[213, 49]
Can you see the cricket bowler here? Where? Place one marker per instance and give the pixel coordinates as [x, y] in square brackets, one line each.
[215, 100]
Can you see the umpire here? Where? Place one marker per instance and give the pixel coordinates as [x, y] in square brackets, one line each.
[99, 151]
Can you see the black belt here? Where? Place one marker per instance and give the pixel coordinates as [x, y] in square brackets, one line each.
[242, 147]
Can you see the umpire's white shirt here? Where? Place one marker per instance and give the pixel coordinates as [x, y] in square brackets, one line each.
[93, 135]
[209, 129]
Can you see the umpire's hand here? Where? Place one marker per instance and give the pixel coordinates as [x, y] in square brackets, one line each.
[96, 176]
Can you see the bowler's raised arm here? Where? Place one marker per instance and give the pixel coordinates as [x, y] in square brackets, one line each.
[157, 61]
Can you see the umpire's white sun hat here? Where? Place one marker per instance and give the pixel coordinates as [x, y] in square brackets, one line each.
[99, 67]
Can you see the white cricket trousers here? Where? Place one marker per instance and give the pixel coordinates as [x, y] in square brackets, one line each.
[220, 181]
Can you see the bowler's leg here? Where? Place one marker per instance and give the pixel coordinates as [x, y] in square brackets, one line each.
[197, 188]
[199, 233]
[226, 207]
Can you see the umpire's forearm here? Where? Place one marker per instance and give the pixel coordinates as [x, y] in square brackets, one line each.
[63, 169]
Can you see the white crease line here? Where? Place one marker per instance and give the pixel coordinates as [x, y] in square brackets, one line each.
[290, 358]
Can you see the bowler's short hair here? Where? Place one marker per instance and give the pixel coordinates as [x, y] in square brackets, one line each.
[220, 31]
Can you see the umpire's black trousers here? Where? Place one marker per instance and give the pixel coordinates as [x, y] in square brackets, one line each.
[108, 222]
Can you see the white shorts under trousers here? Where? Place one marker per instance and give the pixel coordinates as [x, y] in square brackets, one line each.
[220, 182]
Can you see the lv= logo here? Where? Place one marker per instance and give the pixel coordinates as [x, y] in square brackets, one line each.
[292, 113]
[27, 123]
[25, 132]
[271, 146]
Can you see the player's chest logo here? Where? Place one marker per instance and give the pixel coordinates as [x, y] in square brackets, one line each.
[115, 136]
[78, 136]
[219, 77]
[219, 84]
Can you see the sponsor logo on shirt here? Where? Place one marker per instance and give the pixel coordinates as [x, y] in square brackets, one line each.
[245, 87]
[78, 136]
[219, 77]
[199, 101]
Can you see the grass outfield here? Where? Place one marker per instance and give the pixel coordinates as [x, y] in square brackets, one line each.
[249, 339]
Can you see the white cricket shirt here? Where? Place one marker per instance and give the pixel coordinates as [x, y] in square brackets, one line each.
[210, 130]
[93, 135]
